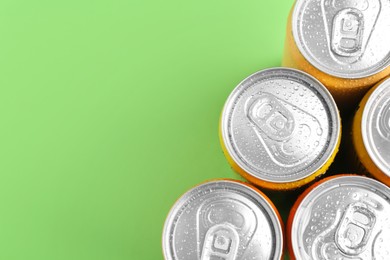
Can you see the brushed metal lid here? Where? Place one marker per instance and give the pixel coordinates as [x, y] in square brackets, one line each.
[344, 38]
[280, 125]
[347, 217]
[376, 126]
[222, 219]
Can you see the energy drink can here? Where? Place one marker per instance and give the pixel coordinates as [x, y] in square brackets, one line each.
[343, 43]
[342, 217]
[371, 132]
[280, 129]
[223, 219]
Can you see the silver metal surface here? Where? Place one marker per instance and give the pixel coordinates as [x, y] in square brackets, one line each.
[376, 126]
[222, 220]
[280, 125]
[345, 218]
[344, 38]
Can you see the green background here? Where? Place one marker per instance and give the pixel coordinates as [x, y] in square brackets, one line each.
[109, 112]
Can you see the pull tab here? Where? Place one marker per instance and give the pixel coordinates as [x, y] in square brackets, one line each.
[221, 243]
[331, 252]
[272, 117]
[288, 133]
[347, 33]
[354, 230]
[349, 24]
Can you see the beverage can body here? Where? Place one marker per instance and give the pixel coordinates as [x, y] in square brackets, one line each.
[371, 132]
[280, 129]
[341, 217]
[223, 219]
[344, 44]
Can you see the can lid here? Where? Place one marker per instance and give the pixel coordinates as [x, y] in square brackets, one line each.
[347, 39]
[376, 126]
[280, 125]
[222, 219]
[346, 217]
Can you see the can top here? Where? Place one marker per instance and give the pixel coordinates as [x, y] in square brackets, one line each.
[222, 219]
[280, 125]
[376, 126]
[344, 38]
[346, 217]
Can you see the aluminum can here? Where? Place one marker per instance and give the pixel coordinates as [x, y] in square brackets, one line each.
[280, 129]
[371, 132]
[343, 217]
[223, 219]
[343, 43]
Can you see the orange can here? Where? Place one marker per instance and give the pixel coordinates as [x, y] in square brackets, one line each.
[344, 44]
[280, 129]
[341, 217]
[371, 132]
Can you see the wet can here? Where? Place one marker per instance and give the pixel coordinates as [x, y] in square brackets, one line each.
[280, 129]
[371, 132]
[341, 217]
[343, 43]
[223, 219]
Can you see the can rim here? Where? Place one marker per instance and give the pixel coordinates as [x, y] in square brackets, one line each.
[250, 191]
[381, 66]
[334, 116]
[324, 186]
[368, 112]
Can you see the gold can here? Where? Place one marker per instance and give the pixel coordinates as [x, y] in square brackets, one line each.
[280, 129]
[371, 132]
[344, 44]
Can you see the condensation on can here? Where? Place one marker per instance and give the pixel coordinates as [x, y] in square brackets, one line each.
[344, 44]
[223, 219]
[371, 132]
[280, 129]
[341, 217]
